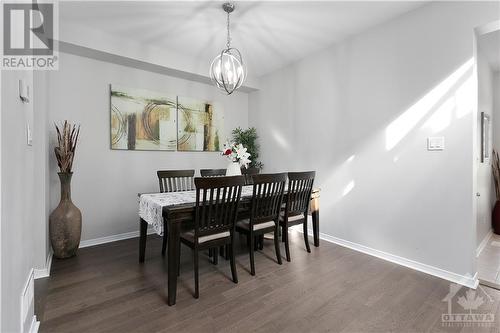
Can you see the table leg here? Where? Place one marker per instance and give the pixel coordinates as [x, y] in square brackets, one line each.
[173, 260]
[315, 218]
[142, 239]
[315, 223]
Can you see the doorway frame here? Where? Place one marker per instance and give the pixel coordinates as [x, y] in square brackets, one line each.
[477, 33]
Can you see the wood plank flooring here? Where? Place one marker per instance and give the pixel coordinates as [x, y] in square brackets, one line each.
[334, 289]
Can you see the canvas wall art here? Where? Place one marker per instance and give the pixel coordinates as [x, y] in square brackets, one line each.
[200, 125]
[142, 119]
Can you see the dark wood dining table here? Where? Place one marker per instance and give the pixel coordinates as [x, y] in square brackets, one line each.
[180, 217]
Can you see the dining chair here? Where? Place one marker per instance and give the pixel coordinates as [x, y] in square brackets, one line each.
[212, 172]
[174, 181]
[300, 186]
[248, 173]
[265, 208]
[216, 210]
[212, 253]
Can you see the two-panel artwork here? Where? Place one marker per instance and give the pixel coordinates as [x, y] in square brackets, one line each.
[148, 120]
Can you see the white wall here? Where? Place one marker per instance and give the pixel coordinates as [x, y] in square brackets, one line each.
[106, 182]
[41, 152]
[496, 110]
[360, 112]
[487, 198]
[18, 172]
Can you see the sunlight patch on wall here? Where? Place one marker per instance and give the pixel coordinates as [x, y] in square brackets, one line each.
[278, 137]
[465, 98]
[402, 125]
[348, 188]
[442, 117]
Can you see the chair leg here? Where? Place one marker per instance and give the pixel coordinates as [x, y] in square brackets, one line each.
[277, 244]
[287, 243]
[251, 251]
[256, 243]
[164, 244]
[306, 237]
[283, 233]
[216, 256]
[261, 242]
[196, 282]
[226, 252]
[231, 250]
[221, 251]
[179, 260]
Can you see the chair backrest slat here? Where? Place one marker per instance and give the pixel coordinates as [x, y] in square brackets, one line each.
[267, 196]
[213, 172]
[299, 192]
[217, 200]
[175, 180]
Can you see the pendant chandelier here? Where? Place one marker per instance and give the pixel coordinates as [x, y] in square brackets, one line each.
[227, 70]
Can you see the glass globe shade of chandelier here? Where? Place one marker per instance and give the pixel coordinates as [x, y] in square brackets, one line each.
[227, 70]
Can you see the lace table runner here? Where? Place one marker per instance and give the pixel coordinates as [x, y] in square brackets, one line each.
[151, 205]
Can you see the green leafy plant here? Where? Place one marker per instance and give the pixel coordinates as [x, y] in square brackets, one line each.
[248, 138]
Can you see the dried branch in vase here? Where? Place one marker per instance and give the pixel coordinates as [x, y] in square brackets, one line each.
[67, 138]
[495, 168]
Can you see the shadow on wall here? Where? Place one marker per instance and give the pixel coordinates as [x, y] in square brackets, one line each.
[361, 183]
[433, 113]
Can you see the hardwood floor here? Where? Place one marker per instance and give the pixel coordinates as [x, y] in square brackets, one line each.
[105, 289]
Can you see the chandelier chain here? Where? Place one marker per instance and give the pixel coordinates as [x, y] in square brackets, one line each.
[228, 43]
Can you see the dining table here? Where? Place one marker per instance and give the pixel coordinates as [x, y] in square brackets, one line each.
[174, 211]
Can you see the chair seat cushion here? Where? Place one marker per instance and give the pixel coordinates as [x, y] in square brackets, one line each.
[245, 224]
[190, 236]
[292, 218]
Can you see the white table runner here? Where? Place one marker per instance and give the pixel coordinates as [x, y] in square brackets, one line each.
[151, 205]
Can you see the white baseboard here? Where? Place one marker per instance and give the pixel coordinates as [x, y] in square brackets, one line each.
[484, 242]
[112, 238]
[35, 324]
[468, 281]
[45, 271]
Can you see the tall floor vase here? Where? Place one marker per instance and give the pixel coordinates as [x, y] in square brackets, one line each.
[495, 219]
[65, 222]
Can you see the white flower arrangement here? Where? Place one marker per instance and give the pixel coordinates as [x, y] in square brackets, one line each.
[236, 153]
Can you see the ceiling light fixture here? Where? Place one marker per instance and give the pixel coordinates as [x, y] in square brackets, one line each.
[227, 70]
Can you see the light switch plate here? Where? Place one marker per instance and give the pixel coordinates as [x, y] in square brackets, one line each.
[435, 143]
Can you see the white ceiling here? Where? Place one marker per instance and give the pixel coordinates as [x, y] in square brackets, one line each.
[270, 35]
[490, 46]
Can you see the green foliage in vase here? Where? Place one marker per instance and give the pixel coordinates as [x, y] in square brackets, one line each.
[248, 138]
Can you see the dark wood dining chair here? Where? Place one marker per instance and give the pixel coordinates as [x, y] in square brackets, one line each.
[213, 172]
[265, 209]
[212, 253]
[174, 181]
[248, 173]
[217, 201]
[300, 186]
